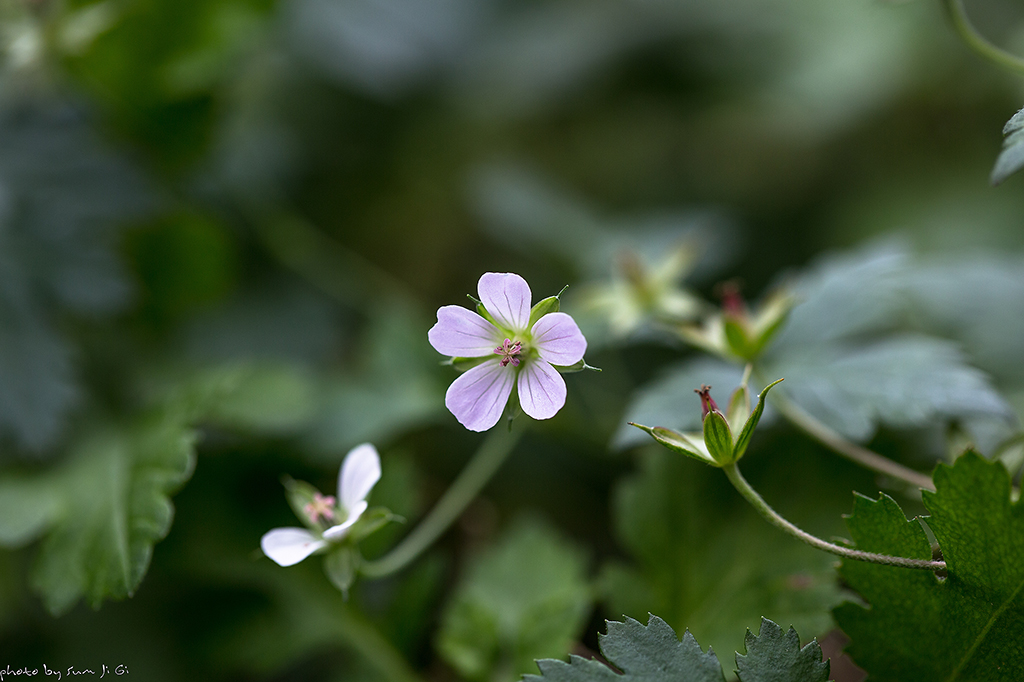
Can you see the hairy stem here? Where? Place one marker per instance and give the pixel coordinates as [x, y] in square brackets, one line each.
[474, 477]
[977, 42]
[773, 517]
[836, 442]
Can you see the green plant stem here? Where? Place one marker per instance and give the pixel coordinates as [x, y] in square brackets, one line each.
[856, 453]
[773, 517]
[474, 477]
[977, 42]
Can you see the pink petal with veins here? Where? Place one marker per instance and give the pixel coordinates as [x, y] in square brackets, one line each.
[558, 339]
[507, 298]
[541, 389]
[462, 333]
[477, 398]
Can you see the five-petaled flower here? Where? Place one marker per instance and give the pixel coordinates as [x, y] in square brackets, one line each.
[520, 354]
[359, 473]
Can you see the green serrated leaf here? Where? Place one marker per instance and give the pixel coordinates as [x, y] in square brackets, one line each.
[916, 626]
[524, 599]
[645, 653]
[114, 505]
[653, 653]
[775, 656]
[1011, 159]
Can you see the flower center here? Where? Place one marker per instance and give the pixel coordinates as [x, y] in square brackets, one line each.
[322, 505]
[509, 352]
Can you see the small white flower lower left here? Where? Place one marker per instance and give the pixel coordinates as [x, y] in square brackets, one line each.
[359, 473]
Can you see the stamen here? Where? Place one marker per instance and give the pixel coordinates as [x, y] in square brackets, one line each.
[322, 505]
[509, 352]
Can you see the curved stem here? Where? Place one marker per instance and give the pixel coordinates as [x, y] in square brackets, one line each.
[474, 477]
[773, 517]
[977, 42]
[836, 442]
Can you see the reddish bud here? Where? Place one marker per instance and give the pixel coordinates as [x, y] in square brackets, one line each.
[707, 403]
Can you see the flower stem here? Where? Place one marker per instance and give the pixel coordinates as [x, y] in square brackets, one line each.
[836, 442]
[487, 460]
[773, 517]
[977, 42]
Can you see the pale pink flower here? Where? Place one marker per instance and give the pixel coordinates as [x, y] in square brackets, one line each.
[359, 473]
[521, 355]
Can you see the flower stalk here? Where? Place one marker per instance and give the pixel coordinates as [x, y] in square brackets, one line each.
[485, 463]
[977, 42]
[774, 518]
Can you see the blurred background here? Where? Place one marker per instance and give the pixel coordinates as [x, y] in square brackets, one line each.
[225, 227]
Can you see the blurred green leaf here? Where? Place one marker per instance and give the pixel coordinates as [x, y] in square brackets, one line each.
[1011, 159]
[917, 626]
[701, 562]
[102, 511]
[902, 381]
[653, 653]
[264, 397]
[393, 386]
[524, 599]
[63, 197]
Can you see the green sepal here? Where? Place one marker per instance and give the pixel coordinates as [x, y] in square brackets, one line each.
[752, 420]
[299, 494]
[677, 442]
[543, 307]
[373, 520]
[577, 367]
[769, 320]
[739, 406]
[465, 364]
[737, 337]
[341, 566]
[718, 437]
[482, 312]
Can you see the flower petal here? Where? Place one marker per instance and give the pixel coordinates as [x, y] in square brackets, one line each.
[541, 389]
[558, 339]
[507, 298]
[462, 333]
[335, 533]
[477, 398]
[287, 546]
[359, 472]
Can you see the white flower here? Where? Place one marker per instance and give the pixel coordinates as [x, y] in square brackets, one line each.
[359, 473]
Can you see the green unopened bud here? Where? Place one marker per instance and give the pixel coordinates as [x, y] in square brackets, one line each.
[718, 437]
[303, 498]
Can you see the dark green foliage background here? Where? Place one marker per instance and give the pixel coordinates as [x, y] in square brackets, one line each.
[234, 219]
